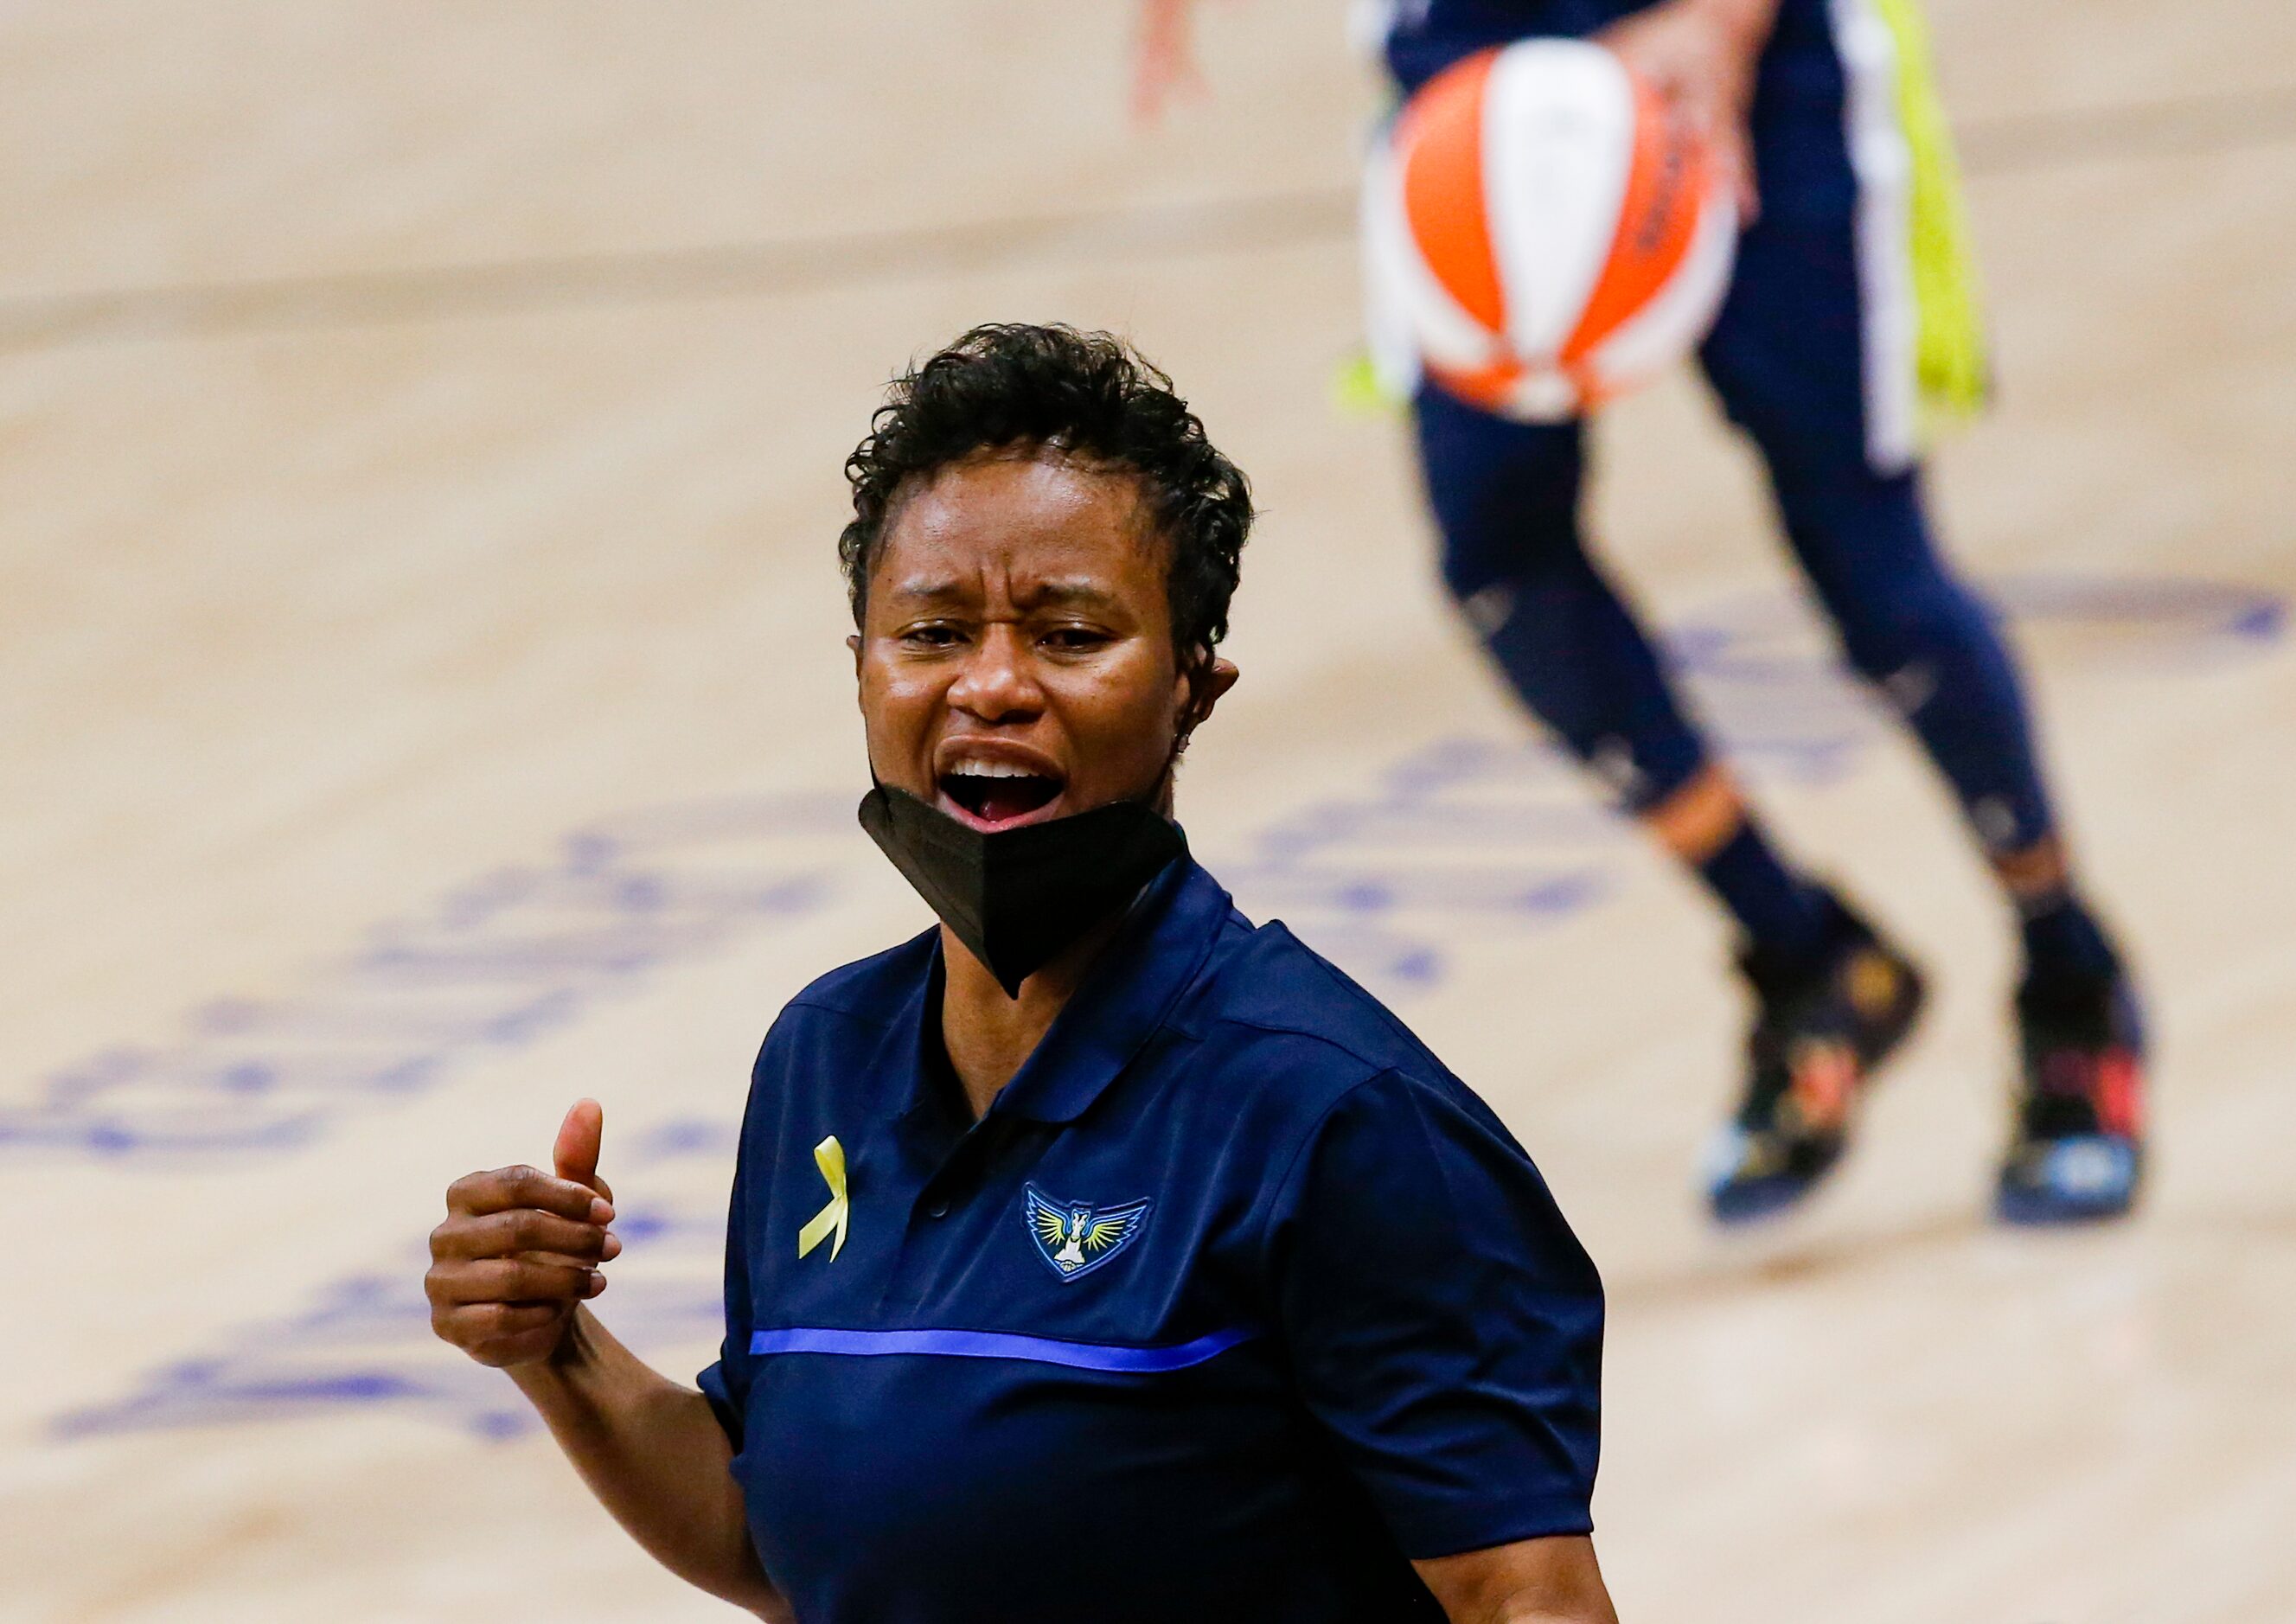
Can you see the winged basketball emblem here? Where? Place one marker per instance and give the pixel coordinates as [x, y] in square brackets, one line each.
[1074, 1238]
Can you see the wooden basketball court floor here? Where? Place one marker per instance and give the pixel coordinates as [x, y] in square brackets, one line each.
[421, 703]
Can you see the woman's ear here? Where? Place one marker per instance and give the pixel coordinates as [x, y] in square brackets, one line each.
[1207, 680]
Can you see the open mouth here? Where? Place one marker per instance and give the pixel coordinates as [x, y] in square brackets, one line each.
[997, 795]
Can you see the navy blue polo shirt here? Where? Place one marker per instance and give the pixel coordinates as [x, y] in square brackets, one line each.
[1234, 1301]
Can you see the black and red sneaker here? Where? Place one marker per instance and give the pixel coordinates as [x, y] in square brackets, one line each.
[2076, 1152]
[1820, 1029]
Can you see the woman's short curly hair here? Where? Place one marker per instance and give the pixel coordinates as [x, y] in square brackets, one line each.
[1087, 395]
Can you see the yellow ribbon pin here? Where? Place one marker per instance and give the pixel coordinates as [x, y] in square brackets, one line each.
[829, 1156]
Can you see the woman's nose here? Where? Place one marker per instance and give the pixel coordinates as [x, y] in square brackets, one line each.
[997, 683]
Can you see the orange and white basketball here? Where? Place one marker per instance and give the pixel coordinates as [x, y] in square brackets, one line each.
[1541, 231]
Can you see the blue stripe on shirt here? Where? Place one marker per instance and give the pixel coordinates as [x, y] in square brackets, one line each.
[998, 1345]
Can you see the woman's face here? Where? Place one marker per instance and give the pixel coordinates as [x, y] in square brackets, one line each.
[1015, 655]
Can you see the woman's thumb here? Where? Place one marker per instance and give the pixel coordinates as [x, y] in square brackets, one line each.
[576, 1153]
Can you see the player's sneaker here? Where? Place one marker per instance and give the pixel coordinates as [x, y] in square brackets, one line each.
[1817, 1036]
[2077, 1151]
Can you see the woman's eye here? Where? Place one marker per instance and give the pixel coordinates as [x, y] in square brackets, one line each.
[1074, 639]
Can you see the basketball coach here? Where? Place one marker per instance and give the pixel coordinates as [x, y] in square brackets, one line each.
[1096, 1254]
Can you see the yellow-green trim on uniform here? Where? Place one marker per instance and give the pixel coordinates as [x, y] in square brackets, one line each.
[1356, 390]
[1951, 360]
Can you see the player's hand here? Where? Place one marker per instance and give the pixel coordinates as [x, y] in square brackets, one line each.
[1699, 56]
[520, 1251]
[1164, 58]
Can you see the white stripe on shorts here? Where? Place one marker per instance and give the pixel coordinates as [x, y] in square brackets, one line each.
[1883, 161]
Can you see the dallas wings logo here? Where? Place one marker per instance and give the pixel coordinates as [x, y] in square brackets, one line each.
[1074, 1239]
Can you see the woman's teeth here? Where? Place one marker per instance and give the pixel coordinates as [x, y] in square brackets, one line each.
[997, 791]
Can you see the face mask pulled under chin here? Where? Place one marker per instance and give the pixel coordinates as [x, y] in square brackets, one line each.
[1018, 898]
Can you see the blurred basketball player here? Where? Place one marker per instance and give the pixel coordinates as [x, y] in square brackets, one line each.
[1851, 310]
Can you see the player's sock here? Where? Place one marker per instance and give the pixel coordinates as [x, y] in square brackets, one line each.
[1785, 917]
[2064, 942]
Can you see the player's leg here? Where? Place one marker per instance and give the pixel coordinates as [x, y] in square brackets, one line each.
[1506, 496]
[1815, 356]
[1909, 626]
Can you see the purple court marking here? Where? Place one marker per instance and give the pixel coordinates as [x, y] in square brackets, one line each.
[998, 1345]
[494, 967]
[365, 1341]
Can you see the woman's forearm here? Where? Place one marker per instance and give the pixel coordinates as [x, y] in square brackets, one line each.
[652, 1452]
[1554, 1580]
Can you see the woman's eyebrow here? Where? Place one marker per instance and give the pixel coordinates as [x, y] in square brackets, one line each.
[1068, 594]
[932, 590]
[926, 589]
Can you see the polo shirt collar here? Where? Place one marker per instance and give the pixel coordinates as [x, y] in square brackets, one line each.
[1155, 956]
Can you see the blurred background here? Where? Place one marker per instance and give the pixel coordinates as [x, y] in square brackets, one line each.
[422, 702]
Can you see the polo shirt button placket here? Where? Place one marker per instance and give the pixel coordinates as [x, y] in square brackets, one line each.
[939, 1209]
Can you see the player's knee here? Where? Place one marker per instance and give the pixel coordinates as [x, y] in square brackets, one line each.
[1505, 501]
[1493, 590]
[1910, 642]
[1497, 553]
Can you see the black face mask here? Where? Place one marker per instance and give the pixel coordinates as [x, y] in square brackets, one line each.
[1019, 897]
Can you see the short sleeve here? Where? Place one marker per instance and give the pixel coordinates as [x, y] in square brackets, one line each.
[1443, 1323]
[725, 1382]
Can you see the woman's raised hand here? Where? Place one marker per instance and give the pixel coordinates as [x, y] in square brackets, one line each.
[520, 1250]
[1164, 58]
[1700, 55]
